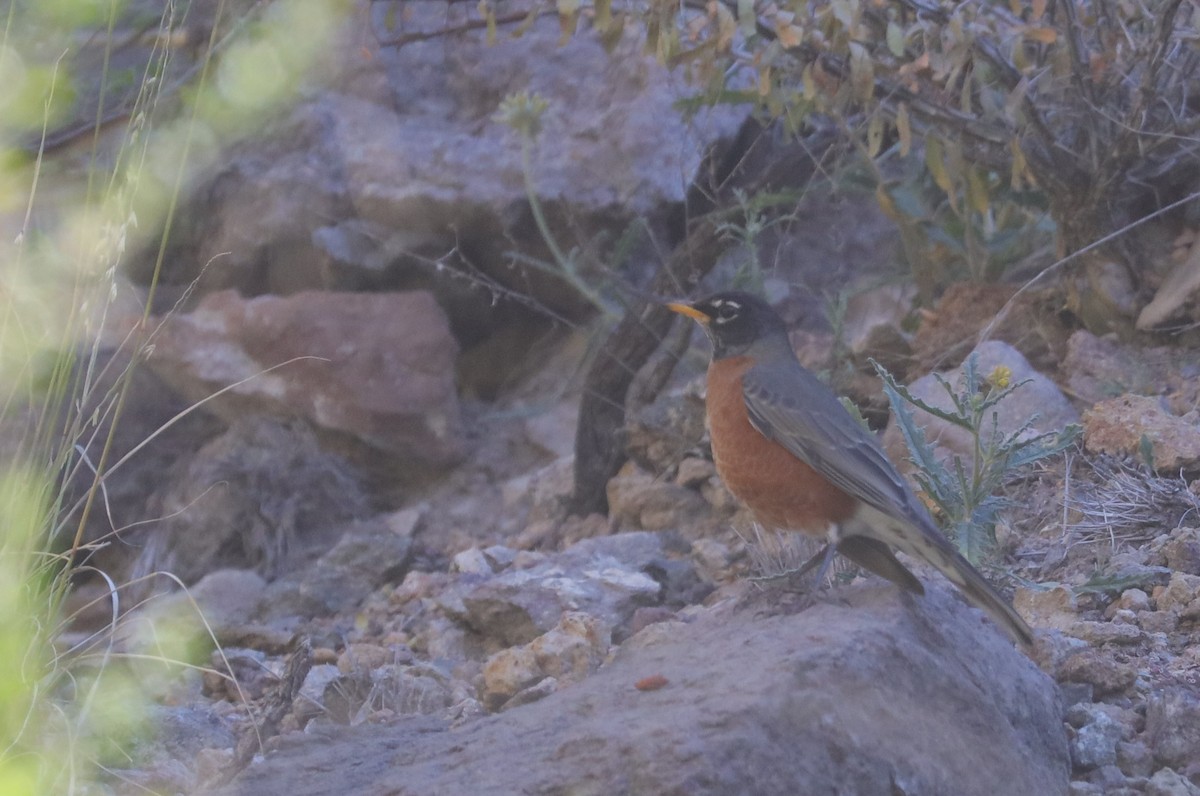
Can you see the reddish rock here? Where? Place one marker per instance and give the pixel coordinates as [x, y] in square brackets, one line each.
[379, 372]
[573, 649]
[1097, 368]
[652, 683]
[508, 672]
[639, 500]
[1119, 426]
[1101, 670]
[1055, 607]
[1182, 551]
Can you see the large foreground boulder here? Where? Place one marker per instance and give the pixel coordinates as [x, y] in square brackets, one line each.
[877, 694]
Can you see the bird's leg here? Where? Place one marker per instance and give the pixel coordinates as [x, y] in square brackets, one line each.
[826, 555]
[807, 596]
[793, 574]
[824, 558]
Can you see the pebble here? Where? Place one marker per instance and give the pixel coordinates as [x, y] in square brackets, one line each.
[1173, 725]
[471, 561]
[1095, 743]
[1167, 782]
[1105, 633]
[1093, 666]
[540, 690]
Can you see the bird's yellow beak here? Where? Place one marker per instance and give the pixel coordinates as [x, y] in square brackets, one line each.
[690, 311]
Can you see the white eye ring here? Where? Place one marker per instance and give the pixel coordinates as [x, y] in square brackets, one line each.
[726, 310]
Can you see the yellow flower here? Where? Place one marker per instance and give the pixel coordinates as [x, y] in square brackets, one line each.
[1000, 377]
[523, 112]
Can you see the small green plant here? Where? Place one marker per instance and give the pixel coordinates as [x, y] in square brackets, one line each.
[523, 112]
[758, 213]
[966, 491]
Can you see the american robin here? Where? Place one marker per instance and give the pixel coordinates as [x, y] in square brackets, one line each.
[787, 448]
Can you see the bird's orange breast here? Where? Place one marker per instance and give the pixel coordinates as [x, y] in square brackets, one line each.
[781, 490]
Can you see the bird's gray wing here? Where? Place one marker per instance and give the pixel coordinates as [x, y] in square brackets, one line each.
[794, 408]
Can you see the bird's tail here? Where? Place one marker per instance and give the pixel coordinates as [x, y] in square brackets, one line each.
[942, 555]
[980, 592]
[931, 546]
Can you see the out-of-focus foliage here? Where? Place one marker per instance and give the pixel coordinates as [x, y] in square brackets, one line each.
[1090, 102]
[1012, 108]
[108, 109]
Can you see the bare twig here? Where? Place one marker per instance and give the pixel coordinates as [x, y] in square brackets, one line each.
[462, 27]
[278, 705]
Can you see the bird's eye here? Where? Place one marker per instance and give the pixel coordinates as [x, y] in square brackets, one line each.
[727, 311]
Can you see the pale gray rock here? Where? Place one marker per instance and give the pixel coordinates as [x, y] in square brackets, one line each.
[1112, 781]
[402, 159]
[471, 561]
[1096, 736]
[228, 596]
[368, 554]
[1039, 397]
[606, 577]
[1173, 726]
[165, 757]
[1135, 759]
[1167, 782]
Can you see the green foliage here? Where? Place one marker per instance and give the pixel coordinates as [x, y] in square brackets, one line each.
[969, 226]
[1146, 451]
[1113, 586]
[965, 491]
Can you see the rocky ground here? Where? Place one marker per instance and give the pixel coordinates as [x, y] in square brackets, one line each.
[479, 623]
[373, 522]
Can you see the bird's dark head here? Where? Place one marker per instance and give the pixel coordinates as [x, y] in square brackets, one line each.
[734, 321]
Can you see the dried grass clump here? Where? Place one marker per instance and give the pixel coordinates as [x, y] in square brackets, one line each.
[779, 557]
[1118, 502]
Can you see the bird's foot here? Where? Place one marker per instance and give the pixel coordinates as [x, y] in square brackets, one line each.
[795, 580]
[790, 593]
